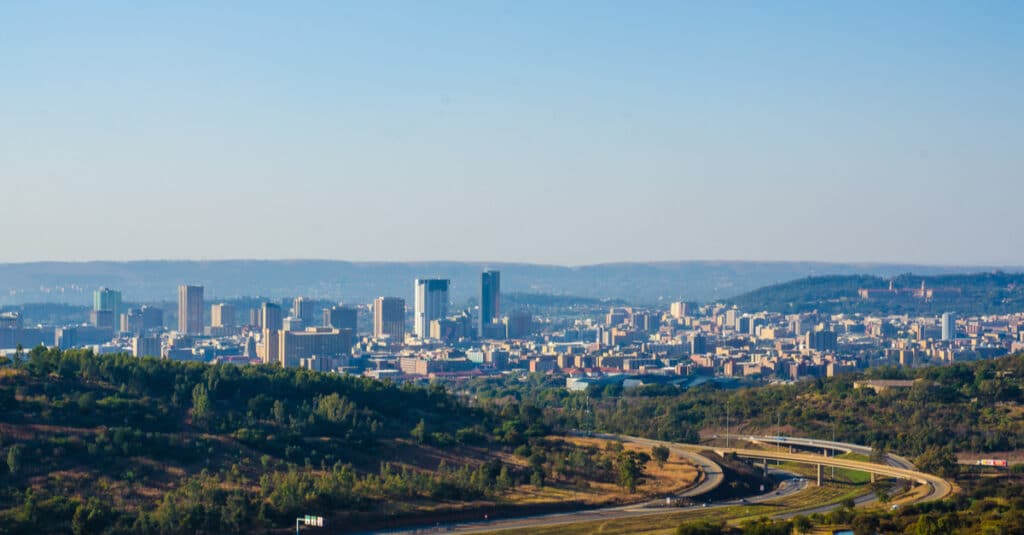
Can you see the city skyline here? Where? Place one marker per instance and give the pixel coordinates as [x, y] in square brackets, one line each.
[351, 266]
[832, 133]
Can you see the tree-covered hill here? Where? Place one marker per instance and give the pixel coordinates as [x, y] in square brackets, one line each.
[118, 444]
[978, 293]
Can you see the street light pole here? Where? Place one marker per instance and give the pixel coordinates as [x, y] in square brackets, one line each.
[778, 425]
[833, 448]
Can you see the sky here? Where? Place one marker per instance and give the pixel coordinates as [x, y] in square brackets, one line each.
[566, 132]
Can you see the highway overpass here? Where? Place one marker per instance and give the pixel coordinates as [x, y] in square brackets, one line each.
[939, 488]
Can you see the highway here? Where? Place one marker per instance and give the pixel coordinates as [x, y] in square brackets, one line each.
[939, 488]
[791, 484]
[891, 459]
[711, 474]
[709, 478]
[712, 477]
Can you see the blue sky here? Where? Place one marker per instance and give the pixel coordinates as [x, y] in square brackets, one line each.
[555, 132]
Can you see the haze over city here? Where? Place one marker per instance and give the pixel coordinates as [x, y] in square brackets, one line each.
[523, 267]
[565, 133]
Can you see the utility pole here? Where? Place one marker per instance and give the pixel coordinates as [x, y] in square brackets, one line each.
[727, 425]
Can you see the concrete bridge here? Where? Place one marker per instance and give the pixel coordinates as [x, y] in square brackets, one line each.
[938, 487]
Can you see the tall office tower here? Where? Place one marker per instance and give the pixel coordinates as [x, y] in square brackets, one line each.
[132, 322]
[431, 304]
[305, 309]
[490, 301]
[152, 317]
[271, 321]
[269, 347]
[190, 309]
[107, 299]
[680, 309]
[948, 326]
[102, 319]
[270, 317]
[698, 344]
[222, 315]
[341, 317]
[389, 318]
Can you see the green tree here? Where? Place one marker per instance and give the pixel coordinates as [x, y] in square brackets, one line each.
[201, 407]
[630, 467]
[938, 460]
[278, 411]
[419, 433]
[537, 478]
[802, 524]
[878, 454]
[14, 458]
[701, 527]
[504, 480]
[660, 455]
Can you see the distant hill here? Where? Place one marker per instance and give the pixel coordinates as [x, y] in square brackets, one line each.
[360, 282]
[976, 293]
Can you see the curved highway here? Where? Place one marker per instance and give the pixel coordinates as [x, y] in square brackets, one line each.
[711, 478]
[939, 488]
[891, 459]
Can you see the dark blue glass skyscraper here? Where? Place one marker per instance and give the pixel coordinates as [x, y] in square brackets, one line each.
[490, 301]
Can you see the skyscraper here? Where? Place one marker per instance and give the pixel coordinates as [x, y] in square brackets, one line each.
[490, 301]
[270, 317]
[222, 315]
[190, 309]
[271, 321]
[948, 326]
[389, 318]
[431, 304]
[152, 317]
[341, 317]
[107, 299]
[305, 309]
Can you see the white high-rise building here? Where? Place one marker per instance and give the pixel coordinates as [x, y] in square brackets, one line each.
[431, 304]
[948, 326]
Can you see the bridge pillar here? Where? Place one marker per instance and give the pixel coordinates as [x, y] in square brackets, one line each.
[819, 475]
[765, 466]
[872, 477]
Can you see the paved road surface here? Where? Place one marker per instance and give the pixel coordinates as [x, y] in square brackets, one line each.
[895, 467]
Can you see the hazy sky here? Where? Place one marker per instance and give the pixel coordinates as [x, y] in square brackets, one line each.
[548, 131]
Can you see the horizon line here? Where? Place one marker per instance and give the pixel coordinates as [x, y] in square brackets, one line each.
[524, 263]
